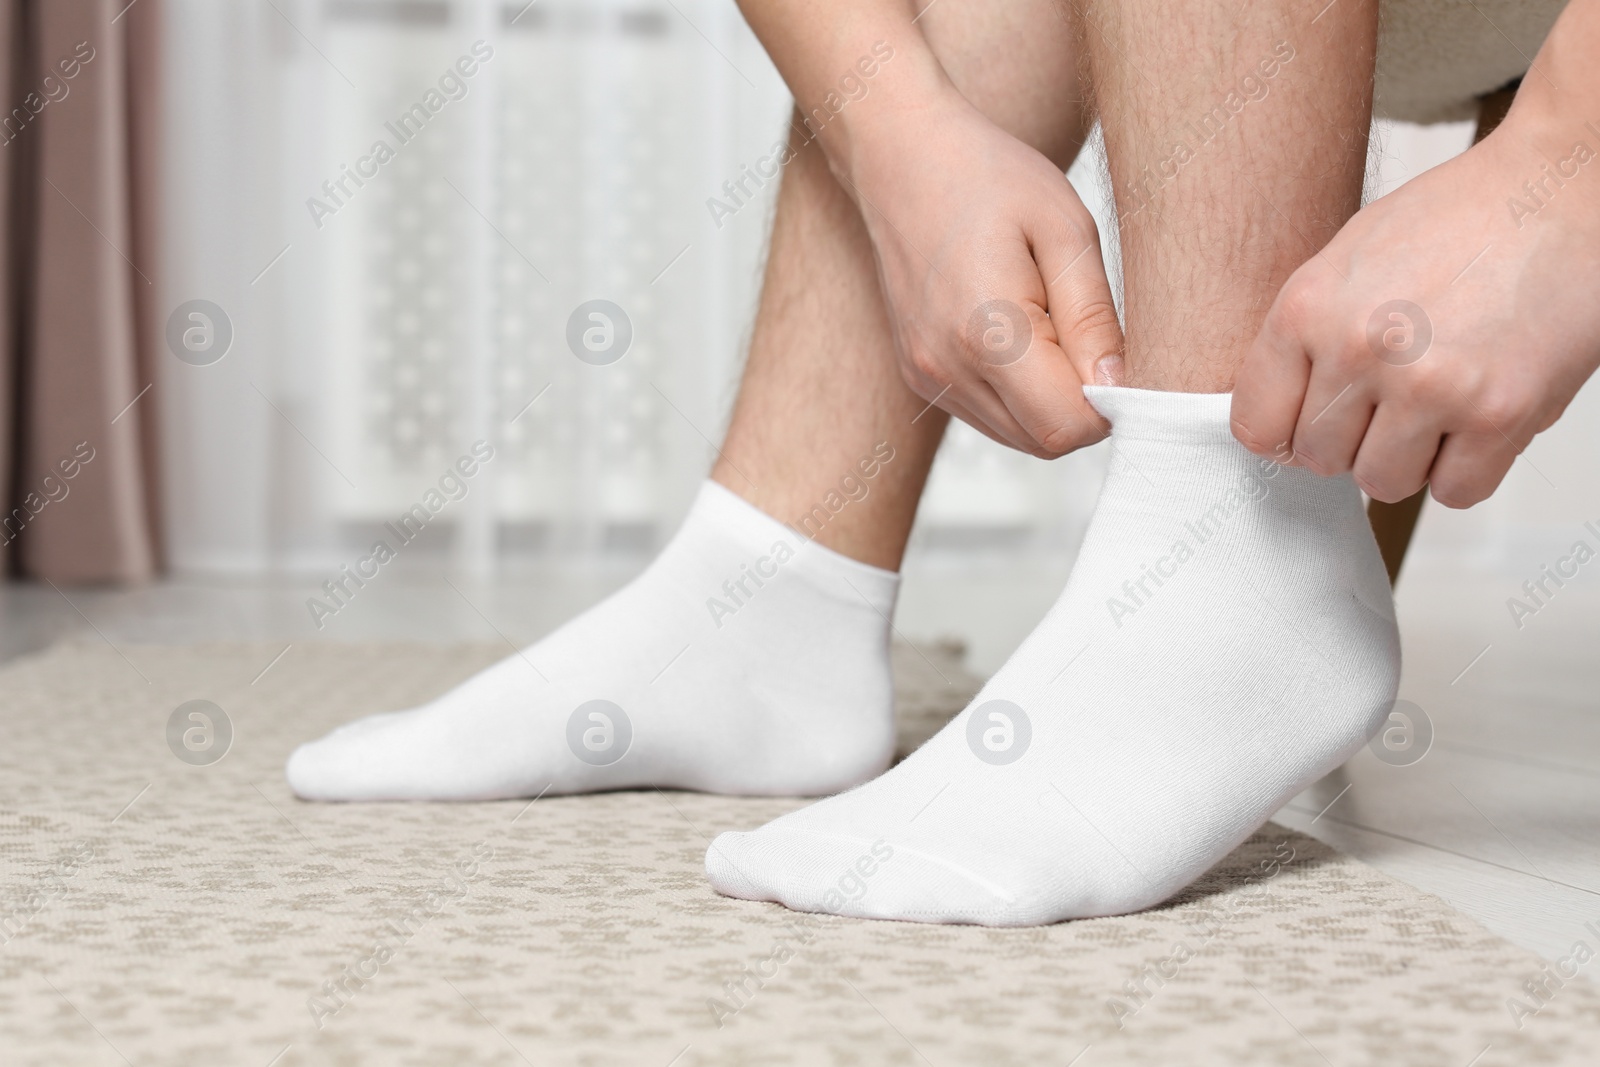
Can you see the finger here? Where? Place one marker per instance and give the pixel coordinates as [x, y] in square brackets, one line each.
[1469, 468]
[1042, 391]
[1037, 351]
[1271, 387]
[1333, 419]
[979, 406]
[1396, 455]
[975, 403]
[1009, 345]
[1083, 314]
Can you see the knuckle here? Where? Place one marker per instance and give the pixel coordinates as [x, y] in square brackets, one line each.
[1505, 408]
[1310, 460]
[921, 371]
[1275, 444]
[1084, 230]
[1429, 381]
[1337, 465]
[1350, 356]
[1387, 488]
[1494, 405]
[1247, 437]
[1374, 491]
[1297, 304]
[1092, 317]
[1456, 495]
[1435, 390]
[1551, 413]
[968, 345]
[1061, 440]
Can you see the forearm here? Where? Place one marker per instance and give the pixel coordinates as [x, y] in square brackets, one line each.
[1474, 281]
[1564, 79]
[1557, 110]
[852, 65]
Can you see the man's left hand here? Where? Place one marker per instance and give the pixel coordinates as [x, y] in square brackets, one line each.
[1443, 327]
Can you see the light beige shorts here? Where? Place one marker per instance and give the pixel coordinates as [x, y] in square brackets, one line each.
[1436, 57]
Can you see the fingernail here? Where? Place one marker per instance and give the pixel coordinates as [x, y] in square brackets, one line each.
[1108, 370]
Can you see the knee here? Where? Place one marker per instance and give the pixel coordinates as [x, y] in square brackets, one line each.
[1018, 63]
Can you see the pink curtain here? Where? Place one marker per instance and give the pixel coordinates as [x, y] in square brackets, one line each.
[80, 324]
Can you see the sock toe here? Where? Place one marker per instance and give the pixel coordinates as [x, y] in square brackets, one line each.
[312, 774]
[834, 874]
[360, 760]
[725, 867]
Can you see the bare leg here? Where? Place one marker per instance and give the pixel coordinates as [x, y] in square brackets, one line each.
[821, 388]
[1230, 168]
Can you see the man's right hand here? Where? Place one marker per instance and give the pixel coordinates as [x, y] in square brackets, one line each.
[991, 268]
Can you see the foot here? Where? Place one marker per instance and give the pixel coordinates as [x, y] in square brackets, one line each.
[743, 660]
[1226, 639]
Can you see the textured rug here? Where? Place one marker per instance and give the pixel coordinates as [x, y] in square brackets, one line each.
[167, 910]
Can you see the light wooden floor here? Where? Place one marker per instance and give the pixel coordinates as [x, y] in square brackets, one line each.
[1501, 817]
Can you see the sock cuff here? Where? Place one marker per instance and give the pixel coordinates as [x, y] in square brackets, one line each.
[878, 587]
[1154, 415]
[833, 572]
[732, 515]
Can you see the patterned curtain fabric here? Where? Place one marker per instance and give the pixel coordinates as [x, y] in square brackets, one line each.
[78, 289]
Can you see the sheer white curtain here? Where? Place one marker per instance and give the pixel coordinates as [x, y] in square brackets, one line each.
[383, 325]
[382, 328]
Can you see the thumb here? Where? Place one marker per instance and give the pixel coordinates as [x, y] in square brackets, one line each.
[1078, 298]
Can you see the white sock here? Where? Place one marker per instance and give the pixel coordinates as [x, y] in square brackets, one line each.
[744, 659]
[1227, 637]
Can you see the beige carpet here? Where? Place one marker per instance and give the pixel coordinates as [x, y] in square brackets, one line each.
[161, 913]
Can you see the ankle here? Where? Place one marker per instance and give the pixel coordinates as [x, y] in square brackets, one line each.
[1206, 361]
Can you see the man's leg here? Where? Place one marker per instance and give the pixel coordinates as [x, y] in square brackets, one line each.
[751, 656]
[1227, 636]
[821, 389]
[1232, 164]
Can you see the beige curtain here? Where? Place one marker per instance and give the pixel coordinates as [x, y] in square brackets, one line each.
[80, 324]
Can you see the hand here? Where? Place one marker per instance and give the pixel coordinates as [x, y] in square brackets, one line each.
[991, 268]
[1442, 328]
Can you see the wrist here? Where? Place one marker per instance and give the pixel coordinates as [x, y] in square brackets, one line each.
[1554, 121]
[890, 88]
[1551, 151]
